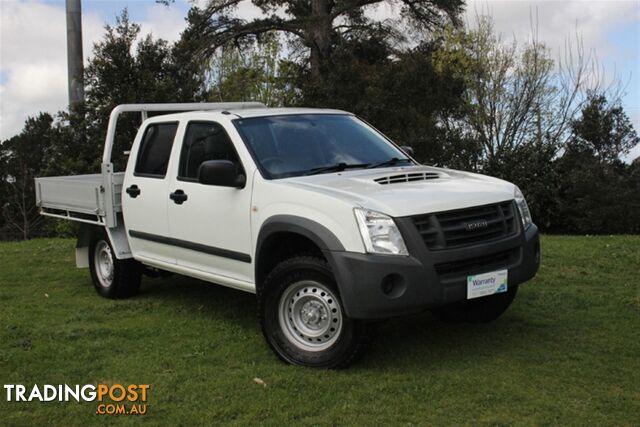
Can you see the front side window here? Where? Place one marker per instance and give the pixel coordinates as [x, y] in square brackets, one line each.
[204, 141]
[303, 144]
[155, 150]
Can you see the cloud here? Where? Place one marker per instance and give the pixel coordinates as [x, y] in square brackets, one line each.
[33, 64]
[248, 11]
[245, 9]
[555, 21]
[33, 42]
[163, 22]
[33, 54]
[608, 29]
[33, 60]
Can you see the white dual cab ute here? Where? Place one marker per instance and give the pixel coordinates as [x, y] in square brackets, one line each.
[325, 219]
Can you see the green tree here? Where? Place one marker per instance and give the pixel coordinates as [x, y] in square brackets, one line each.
[399, 91]
[598, 192]
[604, 129]
[315, 25]
[124, 69]
[340, 58]
[254, 73]
[21, 160]
[518, 107]
[514, 95]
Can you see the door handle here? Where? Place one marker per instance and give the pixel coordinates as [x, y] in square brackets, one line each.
[133, 191]
[178, 197]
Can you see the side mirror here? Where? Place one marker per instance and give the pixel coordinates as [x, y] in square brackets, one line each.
[223, 173]
[407, 149]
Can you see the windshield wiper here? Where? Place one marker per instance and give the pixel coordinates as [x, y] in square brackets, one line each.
[338, 167]
[391, 162]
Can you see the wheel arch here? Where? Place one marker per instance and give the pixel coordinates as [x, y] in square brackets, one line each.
[300, 233]
[117, 237]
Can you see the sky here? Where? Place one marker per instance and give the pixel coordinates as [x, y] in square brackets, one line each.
[33, 73]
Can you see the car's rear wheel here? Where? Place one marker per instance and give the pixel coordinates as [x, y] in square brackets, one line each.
[112, 277]
[478, 310]
[303, 319]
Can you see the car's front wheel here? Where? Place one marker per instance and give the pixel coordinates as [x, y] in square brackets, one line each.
[303, 318]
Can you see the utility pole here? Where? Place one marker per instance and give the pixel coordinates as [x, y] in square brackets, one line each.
[75, 66]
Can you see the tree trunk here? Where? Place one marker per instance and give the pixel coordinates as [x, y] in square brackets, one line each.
[320, 27]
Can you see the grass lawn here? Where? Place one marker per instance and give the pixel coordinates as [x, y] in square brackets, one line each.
[567, 351]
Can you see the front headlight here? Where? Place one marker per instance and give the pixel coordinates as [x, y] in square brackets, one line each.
[522, 207]
[379, 233]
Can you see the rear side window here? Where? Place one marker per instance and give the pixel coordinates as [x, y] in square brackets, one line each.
[204, 141]
[155, 150]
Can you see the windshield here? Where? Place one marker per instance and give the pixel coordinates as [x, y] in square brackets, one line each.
[295, 145]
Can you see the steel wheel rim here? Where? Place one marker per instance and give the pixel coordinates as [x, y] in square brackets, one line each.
[310, 315]
[103, 263]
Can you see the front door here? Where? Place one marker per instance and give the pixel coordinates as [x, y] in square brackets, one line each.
[144, 193]
[209, 225]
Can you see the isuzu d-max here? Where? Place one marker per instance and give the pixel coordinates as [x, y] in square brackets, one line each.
[326, 220]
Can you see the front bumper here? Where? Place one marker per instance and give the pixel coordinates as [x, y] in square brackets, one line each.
[381, 286]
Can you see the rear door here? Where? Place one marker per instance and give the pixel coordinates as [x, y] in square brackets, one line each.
[209, 225]
[145, 194]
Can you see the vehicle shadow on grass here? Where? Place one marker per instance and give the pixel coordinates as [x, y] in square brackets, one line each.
[418, 340]
[424, 341]
[190, 294]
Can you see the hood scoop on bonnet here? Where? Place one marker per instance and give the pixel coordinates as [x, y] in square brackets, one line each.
[407, 177]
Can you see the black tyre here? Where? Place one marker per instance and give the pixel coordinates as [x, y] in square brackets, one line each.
[112, 278]
[479, 310]
[303, 319]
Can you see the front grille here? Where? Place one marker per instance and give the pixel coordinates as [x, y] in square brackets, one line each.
[479, 264]
[465, 227]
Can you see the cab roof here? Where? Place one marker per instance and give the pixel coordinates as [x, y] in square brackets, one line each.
[253, 112]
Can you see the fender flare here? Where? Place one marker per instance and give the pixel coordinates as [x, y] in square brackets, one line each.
[317, 233]
[320, 235]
